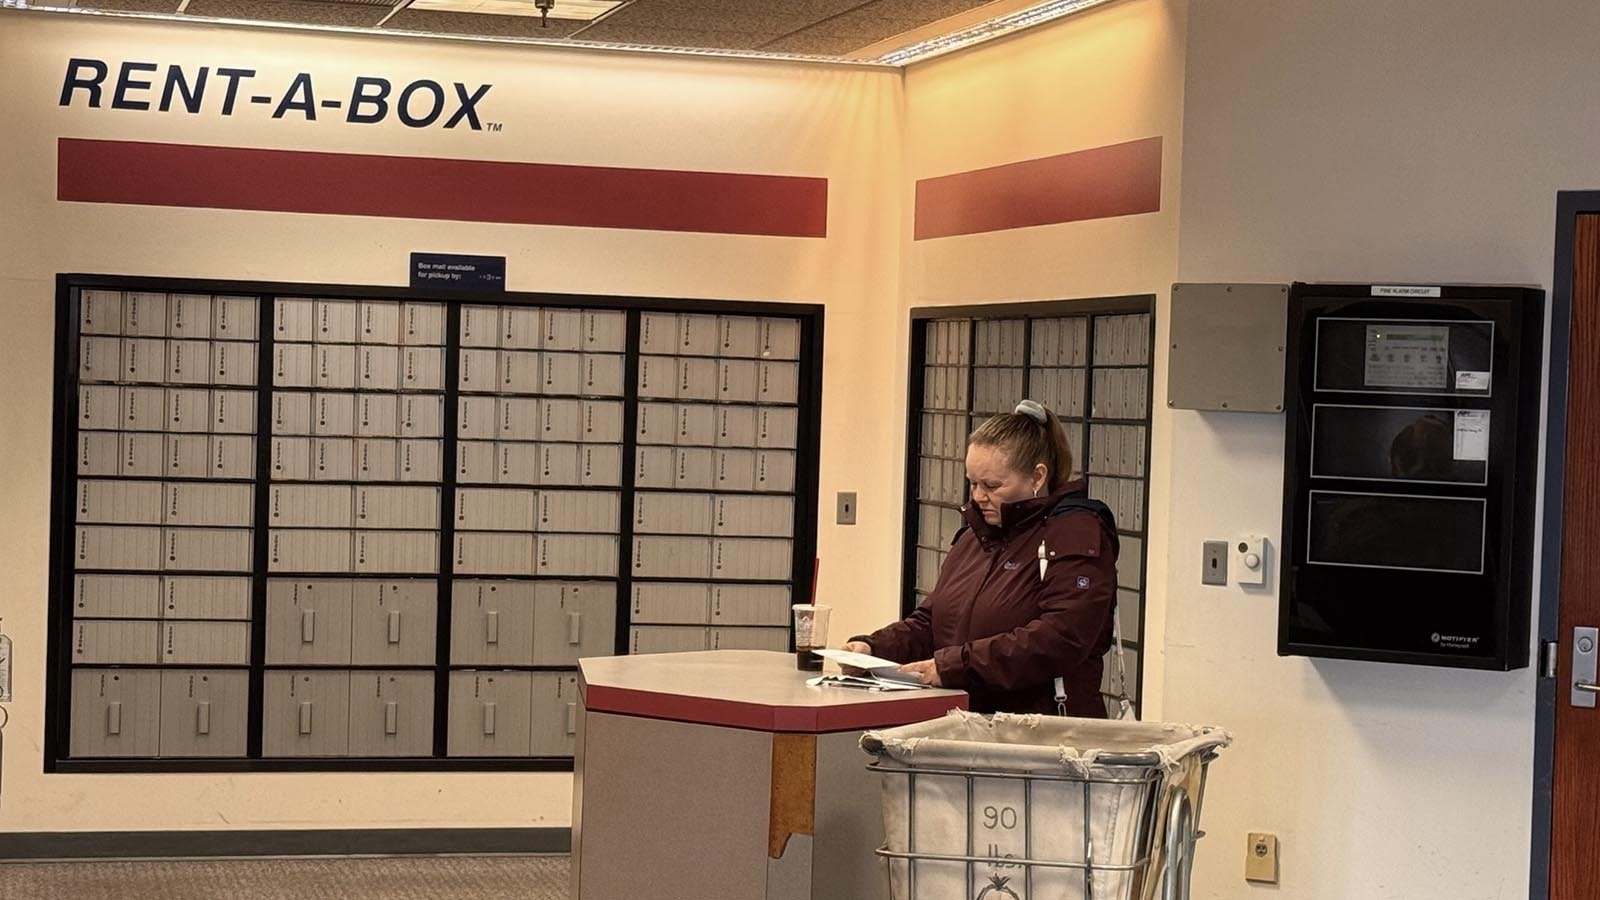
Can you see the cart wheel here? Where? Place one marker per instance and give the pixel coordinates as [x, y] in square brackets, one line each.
[1180, 848]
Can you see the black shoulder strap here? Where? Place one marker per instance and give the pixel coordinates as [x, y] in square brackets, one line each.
[1081, 501]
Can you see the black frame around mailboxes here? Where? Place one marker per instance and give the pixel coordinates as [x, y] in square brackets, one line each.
[64, 480]
[1091, 310]
[1388, 612]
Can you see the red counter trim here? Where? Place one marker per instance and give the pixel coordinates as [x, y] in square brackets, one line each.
[1117, 180]
[186, 175]
[759, 717]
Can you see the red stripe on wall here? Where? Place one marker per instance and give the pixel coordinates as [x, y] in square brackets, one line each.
[1119, 180]
[152, 174]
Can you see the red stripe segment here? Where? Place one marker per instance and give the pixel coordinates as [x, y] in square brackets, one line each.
[1119, 180]
[93, 171]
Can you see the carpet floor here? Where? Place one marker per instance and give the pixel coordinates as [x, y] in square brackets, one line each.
[360, 878]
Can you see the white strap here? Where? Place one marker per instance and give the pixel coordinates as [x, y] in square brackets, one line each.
[1120, 660]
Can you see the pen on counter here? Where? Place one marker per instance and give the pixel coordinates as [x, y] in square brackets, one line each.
[846, 681]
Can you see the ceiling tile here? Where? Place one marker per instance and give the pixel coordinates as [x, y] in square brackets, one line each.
[817, 44]
[144, 6]
[923, 10]
[844, 38]
[721, 20]
[305, 12]
[776, 16]
[673, 37]
[874, 22]
[428, 20]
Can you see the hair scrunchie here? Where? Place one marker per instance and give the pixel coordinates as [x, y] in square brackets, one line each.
[1033, 410]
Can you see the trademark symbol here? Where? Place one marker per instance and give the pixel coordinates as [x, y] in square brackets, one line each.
[493, 126]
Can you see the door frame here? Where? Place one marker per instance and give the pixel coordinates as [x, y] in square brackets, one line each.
[1569, 206]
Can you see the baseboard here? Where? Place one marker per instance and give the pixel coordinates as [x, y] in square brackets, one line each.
[323, 842]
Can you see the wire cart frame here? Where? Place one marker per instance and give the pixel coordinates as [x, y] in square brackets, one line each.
[1135, 837]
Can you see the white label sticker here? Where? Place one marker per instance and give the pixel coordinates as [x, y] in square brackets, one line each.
[1472, 435]
[1403, 355]
[1472, 381]
[1403, 290]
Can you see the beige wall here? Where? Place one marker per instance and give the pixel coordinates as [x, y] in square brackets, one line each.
[1363, 140]
[1357, 140]
[843, 124]
[1107, 76]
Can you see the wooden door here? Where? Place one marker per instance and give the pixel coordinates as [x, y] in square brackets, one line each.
[1575, 835]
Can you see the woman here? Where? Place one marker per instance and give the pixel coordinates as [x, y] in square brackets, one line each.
[1027, 592]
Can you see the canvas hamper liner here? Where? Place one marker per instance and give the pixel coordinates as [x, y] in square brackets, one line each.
[1085, 801]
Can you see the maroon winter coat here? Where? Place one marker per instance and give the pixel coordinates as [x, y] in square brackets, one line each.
[995, 630]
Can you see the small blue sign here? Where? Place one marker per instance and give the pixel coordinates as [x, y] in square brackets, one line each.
[458, 272]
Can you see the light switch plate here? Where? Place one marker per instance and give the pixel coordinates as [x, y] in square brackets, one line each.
[1261, 858]
[847, 507]
[1214, 563]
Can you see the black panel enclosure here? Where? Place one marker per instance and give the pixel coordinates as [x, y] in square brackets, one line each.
[1410, 461]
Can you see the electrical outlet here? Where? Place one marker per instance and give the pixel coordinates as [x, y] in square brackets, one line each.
[847, 507]
[1214, 563]
[1261, 857]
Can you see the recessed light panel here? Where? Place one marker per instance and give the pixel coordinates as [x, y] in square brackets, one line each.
[572, 10]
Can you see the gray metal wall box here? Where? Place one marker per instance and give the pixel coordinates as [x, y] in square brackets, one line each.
[1227, 347]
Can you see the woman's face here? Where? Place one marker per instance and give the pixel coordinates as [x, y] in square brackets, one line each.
[994, 482]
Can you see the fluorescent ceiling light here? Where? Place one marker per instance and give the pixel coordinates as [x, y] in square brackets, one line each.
[573, 10]
[986, 31]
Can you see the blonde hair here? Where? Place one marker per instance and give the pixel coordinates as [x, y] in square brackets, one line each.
[1029, 436]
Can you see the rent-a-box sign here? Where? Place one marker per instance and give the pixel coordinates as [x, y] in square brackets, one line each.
[136, 85]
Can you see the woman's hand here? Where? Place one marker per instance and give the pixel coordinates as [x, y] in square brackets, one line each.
[926, 671]
[855, 647]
